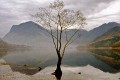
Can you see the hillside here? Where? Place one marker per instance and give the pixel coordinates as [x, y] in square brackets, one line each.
[108, 39]
[4, 46]
[32, 34]
[96, 32]
[109, 34]
[28, 33]
[116, 44]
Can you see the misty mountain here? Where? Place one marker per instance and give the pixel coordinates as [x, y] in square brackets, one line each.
[76, 38]
[109, 39]
[30, 33]
[109, 34]
[93, 34]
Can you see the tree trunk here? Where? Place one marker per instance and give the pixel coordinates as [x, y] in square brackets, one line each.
[58, 71]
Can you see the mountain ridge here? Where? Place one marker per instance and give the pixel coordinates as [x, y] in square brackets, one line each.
[24, 33]
[29, 33]
[98, 31]
[109, 34]
[109, 39]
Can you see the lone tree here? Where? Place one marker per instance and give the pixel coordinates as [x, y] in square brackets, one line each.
[57, 19]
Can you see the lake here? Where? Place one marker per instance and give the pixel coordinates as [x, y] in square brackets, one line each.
[27, 61]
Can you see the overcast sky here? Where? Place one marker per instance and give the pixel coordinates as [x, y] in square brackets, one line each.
[97, 12]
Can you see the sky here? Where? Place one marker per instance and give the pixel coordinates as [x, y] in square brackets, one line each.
[97, 12]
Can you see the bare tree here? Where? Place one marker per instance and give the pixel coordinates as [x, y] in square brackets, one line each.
[57, 19]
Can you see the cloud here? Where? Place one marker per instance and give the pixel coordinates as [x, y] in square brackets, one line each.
[97, 11]
[108, 14]
[88, 6]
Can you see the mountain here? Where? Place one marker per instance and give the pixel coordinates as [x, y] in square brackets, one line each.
[28, 33]
[93, 34]
[76, 38]
[32, 34]
[108, 39]
[109, 34]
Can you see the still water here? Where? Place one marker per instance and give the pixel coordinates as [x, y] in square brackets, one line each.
[105, 60]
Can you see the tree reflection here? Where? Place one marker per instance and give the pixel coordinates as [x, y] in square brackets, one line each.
[58, 76]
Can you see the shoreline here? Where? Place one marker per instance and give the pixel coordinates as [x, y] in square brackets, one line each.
[69, 73]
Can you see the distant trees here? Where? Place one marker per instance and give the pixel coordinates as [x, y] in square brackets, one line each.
[58, 20]
[2, 44]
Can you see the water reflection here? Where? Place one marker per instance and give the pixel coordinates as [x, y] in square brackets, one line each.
[2, 53]
[105, 60]
[25, 69]
[111, 57]
[58, 76]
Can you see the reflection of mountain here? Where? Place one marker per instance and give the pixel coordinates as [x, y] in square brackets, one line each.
[81, 59]
[110, 38]
[116, 44]
[45, 59]
[3, 50]
[2, 45]
[116, 51]
[111, 57]
[93, 34]
[5, 47]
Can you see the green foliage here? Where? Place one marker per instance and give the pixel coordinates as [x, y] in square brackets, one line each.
[106, 43]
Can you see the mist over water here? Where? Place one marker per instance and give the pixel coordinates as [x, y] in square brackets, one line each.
[45, 56]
